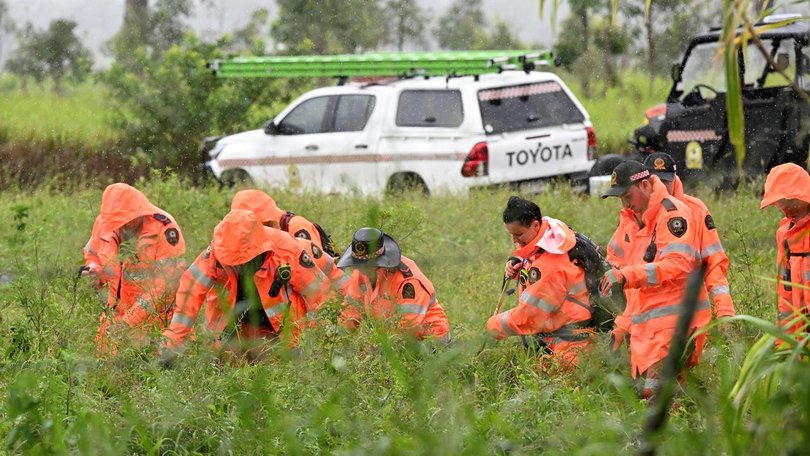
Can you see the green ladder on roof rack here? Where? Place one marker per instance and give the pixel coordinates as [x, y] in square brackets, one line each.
[377, 64]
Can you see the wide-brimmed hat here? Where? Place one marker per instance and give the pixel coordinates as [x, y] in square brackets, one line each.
[625, 175]
[371, 246]
[662, 165]
[239, 238]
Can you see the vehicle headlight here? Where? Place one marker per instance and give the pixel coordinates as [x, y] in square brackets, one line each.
[216, 150]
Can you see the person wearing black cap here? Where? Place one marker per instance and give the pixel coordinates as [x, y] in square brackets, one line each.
[652, 255]
[386, 285]
[708, 240]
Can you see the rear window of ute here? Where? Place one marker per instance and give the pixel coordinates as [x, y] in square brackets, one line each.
[526, 107]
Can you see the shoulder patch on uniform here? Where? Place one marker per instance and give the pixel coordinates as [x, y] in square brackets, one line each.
[303, 234]
[534, 275]
[408, 291]
[626, 238]
[677, 226]
[172, 236]
[710, 222]
[668, 205]
[305, 260]
[162, 219]
[316, 252]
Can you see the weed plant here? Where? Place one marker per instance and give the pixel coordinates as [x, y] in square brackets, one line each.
[372, 392]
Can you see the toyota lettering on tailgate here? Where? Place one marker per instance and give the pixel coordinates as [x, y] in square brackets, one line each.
[542, 153]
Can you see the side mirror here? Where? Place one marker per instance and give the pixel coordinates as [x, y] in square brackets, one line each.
[675, 72]
[270, 128]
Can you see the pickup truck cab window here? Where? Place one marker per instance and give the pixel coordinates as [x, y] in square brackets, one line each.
[352, 112]
[307, 118]
[430, 108]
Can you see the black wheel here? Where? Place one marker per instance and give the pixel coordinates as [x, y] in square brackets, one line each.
[236, 178]
[406, 183]
[605, 165]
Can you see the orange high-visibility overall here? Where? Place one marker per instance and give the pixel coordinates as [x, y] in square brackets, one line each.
[142, 281]
[554, 302]
[404, 293]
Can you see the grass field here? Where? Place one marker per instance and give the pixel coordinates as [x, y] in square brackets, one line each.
[367, 392]
[81, 114]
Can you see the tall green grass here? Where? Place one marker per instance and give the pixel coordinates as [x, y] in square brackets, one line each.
[82, 113]
[367, 392]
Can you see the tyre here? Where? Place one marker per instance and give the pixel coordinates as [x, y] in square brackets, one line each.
[236, 178]
[406, 183]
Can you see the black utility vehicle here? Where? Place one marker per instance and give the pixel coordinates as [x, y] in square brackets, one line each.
[692, 125]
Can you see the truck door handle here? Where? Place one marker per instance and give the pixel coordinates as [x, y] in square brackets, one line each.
[361, 146]
[311, 147]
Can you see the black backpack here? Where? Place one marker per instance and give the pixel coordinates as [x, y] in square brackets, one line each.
[326, 239]
[587, 255]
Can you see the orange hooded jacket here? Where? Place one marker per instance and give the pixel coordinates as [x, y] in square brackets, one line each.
[554, 302]
[141, 282]
[267, 211]
[238, 239]
[403, 292]
[788, 182]
[655, 289]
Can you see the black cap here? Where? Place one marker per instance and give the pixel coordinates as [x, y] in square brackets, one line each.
[371, 245]
[625, 175]
[662, 165]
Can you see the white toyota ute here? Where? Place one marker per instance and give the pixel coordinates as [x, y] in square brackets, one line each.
[437, 134]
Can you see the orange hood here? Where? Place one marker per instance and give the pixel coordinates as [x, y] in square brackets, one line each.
[788, 181]
[553, 236]
[239, 238]
[121, 204]
[259, 203]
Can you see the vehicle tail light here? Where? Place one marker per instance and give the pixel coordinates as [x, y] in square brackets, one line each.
[591, 143]
[657, 112]
[477, 162]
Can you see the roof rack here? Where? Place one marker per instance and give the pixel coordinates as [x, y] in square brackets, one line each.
[399, 64]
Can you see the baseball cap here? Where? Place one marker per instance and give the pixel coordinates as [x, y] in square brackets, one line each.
[625, 175]
[662, 165]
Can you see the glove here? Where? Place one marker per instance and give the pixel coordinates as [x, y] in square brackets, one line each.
[610, 278]
[617, 337]
[512, 267]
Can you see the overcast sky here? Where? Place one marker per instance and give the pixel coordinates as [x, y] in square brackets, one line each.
[98, 20]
